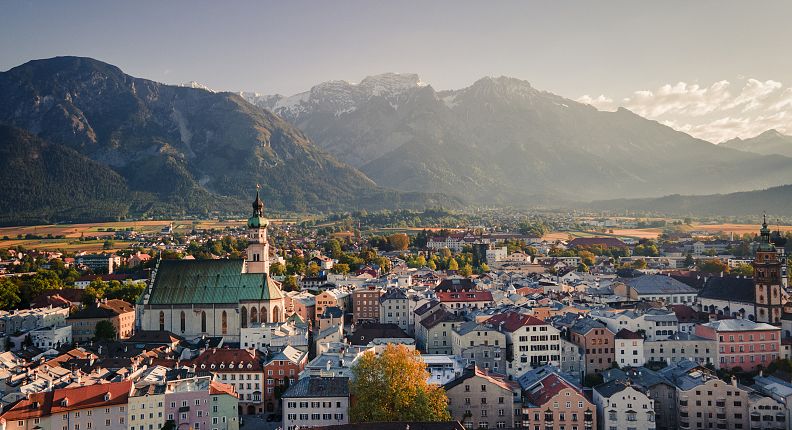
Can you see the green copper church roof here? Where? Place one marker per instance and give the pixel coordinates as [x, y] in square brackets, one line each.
[257, 222]
[182, 282]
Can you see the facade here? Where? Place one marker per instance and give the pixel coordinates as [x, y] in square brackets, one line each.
[624, 406]
[194, 298]
[479, 399]
[263, 336]
[550, 400]
[316, 401]
[78, 408]
[31, 319]
[743, 343]
[768, 278]
[662, 392]
[530, 341]
[629, 349]
[682, 346]
[365, 304]
[282, 371]
[597, 343]
[461, 302]
[147, 407]
[395, 308]
[480, 344]
[434, 335]
[333, 299]
[51, 337]
[120, 313]
[99, 263]
[571, 360]
[241, 369]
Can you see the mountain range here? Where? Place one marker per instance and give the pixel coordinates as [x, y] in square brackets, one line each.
[186, 149]
[82, 140]
[500, 141]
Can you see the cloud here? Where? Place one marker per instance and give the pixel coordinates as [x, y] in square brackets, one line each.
[713, 112]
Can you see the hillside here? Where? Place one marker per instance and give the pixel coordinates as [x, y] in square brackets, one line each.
[768, 143]
[501, 141]
[192, 149]
[775, 200]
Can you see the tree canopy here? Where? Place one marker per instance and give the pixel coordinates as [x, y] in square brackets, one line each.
[105, 330]
[393, 386]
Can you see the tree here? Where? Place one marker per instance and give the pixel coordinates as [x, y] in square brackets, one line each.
[466, 270]
[290, 283]
[9, 294]
[587, 257]
[105, 330]
[689, 262]
[713, 266]
[108, 244]
[582, 267]
[313, 269]
[128, 292]
[484, 268]
[639, 264]
[452, 264]
[277, 269]
[392, 387]
[399, 241]
[340, 269]
[743, 269]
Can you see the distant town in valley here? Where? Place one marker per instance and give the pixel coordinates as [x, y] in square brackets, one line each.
[356, 215]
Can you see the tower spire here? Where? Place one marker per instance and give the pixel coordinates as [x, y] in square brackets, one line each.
[258, 204]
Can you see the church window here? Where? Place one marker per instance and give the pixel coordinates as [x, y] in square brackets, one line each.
[275, 314]
[263, 315]
[243, 317]
[203, 321]
[162, 321]
[183, 321]
[224, 323]
[253, 315]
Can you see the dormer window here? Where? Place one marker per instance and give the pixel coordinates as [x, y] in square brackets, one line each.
[230, 366]
[107, 397]
[249, 366]
[65, 402]
[212, 366]
[203, 366]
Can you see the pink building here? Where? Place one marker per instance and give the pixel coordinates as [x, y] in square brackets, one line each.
[743, 343]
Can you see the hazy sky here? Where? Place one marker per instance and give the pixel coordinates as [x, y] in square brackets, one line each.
[675, 55]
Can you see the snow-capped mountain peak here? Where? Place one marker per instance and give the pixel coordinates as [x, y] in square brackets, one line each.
[194, 84]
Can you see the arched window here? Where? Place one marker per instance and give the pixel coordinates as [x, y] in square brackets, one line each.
[162, 321]
[183, 321]
[243, 317]
[263, 315]
[253, 316]
[203, 321]
[224, 323]
[275, 314]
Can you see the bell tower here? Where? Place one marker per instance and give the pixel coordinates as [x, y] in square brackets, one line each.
[258, 248]
[767, 279]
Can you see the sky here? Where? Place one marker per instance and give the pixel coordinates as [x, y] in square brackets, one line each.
[715, 69]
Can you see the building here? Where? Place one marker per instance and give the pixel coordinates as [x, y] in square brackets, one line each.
[51, 337]
[743, 343]
[480, 344]
[463, 301]
[99, 263]
[681, 346]
[768, 277]
[240, 368]
[316, 401]
[194, 298]
[552, 400]
[197, 403]
[662, 392]
[78, 408]
[434, 335]
[597, 343]
[365, 304]
[333, 299]
[147, 407]
[282, 371]
[622, 405]
[629, 348]
[120, 313]
[655, 287]
[480, 399]
[572, 362]
[530, 341]
[277, 335]
[395, 308]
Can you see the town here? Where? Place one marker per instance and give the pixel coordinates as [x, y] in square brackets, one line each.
[506, 326]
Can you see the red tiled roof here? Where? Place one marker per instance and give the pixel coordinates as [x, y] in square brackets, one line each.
[226, 356]
[512, 321]
[627, 334]
[464, 296]
[551, 386]
[87, 397]
[217, 387]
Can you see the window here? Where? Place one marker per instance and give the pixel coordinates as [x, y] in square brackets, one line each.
[224, 323]
[182, 321]
[161, 322]
[203, 321]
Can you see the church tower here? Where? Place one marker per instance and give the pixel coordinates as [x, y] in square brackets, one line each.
[258, 247]
[767, 277]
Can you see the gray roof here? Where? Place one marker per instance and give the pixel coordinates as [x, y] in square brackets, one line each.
[584, 325]
[610, 388]
[319, 387]
[729, 288]
[470, 326]
[658, 284]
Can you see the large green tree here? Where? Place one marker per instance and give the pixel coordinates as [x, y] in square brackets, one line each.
[392, 387]
[105, 330]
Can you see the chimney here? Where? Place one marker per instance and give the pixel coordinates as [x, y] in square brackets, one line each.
[734, 381]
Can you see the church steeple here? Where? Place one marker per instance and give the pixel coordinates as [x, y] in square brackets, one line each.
[767, 279]
[258, 246]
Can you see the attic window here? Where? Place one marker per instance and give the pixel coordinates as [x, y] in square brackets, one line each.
[249, 366]
[65, 402]
[107, 397]
[203, 366]
[222, 365]
[212, 366]
[230, 366]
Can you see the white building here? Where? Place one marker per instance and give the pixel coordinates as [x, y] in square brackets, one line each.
[263, 336]
[620, 406]
[51, 337]
[629, 349]
[316, 401]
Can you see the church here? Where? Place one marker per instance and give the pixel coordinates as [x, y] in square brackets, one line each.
[193, 298]
[760, 298]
